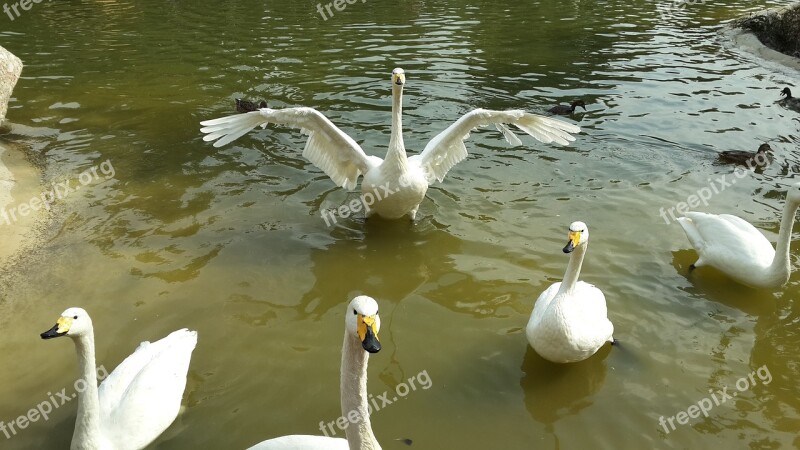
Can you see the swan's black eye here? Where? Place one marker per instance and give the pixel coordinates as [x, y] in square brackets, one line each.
[75, 317]
[355, 313]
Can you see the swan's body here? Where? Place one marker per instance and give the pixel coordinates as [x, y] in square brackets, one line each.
[758, 159]
[138, 400]
[569, 322]
[738, 249]
[362, 324]
[396, 184]
[789, 101]
[565, 110]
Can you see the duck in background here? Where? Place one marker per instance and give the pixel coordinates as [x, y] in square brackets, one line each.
[565, 110]
[244, 106]
[790, 102]
[758, 159]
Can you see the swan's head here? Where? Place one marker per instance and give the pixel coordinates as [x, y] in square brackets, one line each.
[398, 77]
[73, 322]
[578, 235]
[786, 92]
[363, 321]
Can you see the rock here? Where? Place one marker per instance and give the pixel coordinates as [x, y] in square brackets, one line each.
[10, 70]
[778, 29]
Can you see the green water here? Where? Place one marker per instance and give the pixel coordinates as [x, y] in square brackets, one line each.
[230, 241]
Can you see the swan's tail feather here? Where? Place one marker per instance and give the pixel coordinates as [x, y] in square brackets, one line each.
[227, 129]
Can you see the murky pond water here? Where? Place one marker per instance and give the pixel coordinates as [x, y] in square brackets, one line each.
[230, 241]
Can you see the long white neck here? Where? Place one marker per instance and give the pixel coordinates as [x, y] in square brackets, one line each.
[87, 425]
[354, 394]
[396, 156]
[573, 269]
[781, 265]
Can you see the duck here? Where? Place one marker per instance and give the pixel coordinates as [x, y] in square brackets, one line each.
[566, 110]
[758, 159]
[243, 106]
[569, 322]
[362, 325]
[790, 102]
[395, 185]
[736, 248]
[139, 400]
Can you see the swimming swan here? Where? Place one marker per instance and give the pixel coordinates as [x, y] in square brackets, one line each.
[738, 249]
[362, 324]
[569, 322]
[397, 183]
[141, 397]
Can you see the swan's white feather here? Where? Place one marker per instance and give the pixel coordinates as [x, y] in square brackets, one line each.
[328, 147]
[142, 396]
[581, 328]
[447, 149]
[301, 442]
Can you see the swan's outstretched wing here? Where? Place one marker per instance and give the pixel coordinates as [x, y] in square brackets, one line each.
[299, 442]
[142, 397]
[447, 148]
[328, 147]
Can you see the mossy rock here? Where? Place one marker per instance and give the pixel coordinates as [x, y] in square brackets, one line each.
[778, 29]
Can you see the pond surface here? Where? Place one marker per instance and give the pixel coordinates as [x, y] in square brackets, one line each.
[230, 241]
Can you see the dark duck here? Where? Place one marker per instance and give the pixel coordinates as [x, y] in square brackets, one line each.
[566, 110]
[757, 159]
[790, 102]
[244, 106]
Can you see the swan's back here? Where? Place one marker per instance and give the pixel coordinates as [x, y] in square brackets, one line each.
[142, 397]
[302, 442]
[728, 242]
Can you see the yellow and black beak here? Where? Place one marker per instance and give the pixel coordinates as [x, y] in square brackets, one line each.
[60, 329]
[574, 241]
[399, 79]
[368, 333]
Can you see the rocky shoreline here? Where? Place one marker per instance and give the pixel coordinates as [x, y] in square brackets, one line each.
[778, 29]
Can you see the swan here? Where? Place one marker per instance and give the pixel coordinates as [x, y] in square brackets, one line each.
[569, 322]
[362, 324]
[395, 185]
[141, 397]
[758, 159]
[566, 110]
[738, 249]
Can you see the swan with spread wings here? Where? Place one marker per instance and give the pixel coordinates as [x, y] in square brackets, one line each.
[397, 183]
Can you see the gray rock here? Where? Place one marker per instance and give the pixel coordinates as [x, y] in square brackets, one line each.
[10, 70]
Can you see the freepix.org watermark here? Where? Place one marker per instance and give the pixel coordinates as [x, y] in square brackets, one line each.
[25, 5]
[669, 8]
[338, 5]
[421, 380]
[59, 190]
[720, 397]
[715, 186]
[42, 410]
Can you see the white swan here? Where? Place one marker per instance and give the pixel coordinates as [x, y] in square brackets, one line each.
[738, 249]
[569, 322]
[141, 397]
[396, 185]
[362, 324]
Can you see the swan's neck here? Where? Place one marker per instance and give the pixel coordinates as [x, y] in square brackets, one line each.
[354, 395]
[87, 425]
[573, 269]
[781, 266]
[396, 156]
